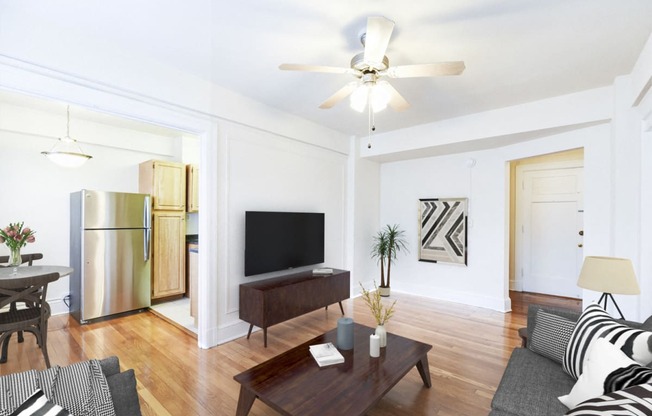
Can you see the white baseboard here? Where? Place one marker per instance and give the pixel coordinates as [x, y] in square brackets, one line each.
[488, 302]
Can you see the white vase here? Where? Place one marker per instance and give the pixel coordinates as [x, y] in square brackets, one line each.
[382, 334]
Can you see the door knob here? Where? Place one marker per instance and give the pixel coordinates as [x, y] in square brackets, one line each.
[581, 232]
[580, 245]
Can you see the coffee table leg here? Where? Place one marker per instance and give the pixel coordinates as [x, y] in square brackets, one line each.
[424, 370]
[265, 336]
[245, 401]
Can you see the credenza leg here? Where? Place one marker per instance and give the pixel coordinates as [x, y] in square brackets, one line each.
[341, 307]
[265, 336]
[245, 401]
[251, 326]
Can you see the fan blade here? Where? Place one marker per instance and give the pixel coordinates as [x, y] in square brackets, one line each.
[341, 94]
[426, 70]
[315, 68]
[379, 30]
[396, 100]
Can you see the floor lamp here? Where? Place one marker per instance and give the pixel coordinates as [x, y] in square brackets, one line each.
[609, 275]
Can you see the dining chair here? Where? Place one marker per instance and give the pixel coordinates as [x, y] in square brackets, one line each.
[31, 313]
[25, 258]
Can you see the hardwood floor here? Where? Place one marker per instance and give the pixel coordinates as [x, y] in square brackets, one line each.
[471, 347]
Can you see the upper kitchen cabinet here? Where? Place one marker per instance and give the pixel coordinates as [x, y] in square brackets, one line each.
[166, 182]
[193, 188]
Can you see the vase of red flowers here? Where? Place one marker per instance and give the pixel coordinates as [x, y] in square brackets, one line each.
[15, 236]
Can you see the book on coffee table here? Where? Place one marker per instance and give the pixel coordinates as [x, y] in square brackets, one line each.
[326, 354]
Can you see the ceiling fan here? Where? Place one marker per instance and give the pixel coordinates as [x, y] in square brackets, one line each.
[371, 66]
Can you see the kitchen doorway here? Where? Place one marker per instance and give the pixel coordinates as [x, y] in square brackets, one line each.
[182, 311]
[117, 145]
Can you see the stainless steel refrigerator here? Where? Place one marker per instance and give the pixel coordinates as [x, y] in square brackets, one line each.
[110, 253]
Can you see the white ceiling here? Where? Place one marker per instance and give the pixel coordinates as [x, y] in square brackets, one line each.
[515, 51]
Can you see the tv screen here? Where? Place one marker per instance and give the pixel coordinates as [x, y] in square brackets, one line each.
[282, 240]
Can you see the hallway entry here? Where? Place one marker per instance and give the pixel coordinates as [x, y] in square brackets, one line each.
[548, 228]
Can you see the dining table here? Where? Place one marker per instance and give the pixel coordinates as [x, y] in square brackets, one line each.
[22, 272]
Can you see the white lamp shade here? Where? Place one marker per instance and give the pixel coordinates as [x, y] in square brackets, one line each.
[608, 275]
[66, 152]
[66, 159]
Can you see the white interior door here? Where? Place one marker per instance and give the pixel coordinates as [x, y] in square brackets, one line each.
[549, 224]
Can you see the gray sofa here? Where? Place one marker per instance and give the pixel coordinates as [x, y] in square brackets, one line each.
[532, 383]
[121, 387]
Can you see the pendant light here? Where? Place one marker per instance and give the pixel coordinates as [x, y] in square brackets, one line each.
[66, 151]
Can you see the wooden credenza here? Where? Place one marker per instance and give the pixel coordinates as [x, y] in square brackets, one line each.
[268, 302]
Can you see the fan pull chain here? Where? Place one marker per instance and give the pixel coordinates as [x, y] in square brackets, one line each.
[369, 125]
[372, 123]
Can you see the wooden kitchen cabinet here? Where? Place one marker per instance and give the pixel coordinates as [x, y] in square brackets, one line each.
[168, 253]
[166, 182]
[192, 174]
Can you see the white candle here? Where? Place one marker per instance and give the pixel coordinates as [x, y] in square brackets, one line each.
[374, 345]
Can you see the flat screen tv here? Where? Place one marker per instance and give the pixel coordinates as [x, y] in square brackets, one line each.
[282, 240]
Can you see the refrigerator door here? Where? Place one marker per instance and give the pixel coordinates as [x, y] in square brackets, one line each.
[115, 210]
[116, 274]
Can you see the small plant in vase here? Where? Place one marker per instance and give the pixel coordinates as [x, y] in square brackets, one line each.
[380, 312]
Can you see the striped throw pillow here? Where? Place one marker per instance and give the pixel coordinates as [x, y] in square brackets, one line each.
[634, 401]
[596, 323]
[38, 404]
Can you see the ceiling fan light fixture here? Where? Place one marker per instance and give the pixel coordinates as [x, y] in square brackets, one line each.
[372, 65]
[380, 96]
[375, 94]
[359, 98]
[66, 151]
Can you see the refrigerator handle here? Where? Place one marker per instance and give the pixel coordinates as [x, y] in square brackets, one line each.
[148, 234]
[147, 215]
[147, 221]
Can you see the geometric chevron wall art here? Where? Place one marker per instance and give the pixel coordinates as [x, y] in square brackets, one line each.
[442, 231]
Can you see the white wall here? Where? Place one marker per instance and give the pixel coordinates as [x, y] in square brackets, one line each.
[484, 281]
[364, 188]
[37, 191]
[268, 172]
[404, 183]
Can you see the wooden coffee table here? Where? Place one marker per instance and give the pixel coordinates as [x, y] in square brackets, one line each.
[293, 384]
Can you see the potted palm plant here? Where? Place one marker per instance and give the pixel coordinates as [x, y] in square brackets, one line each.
[388, 242]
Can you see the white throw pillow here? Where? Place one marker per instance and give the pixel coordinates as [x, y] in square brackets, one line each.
[602, 359]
